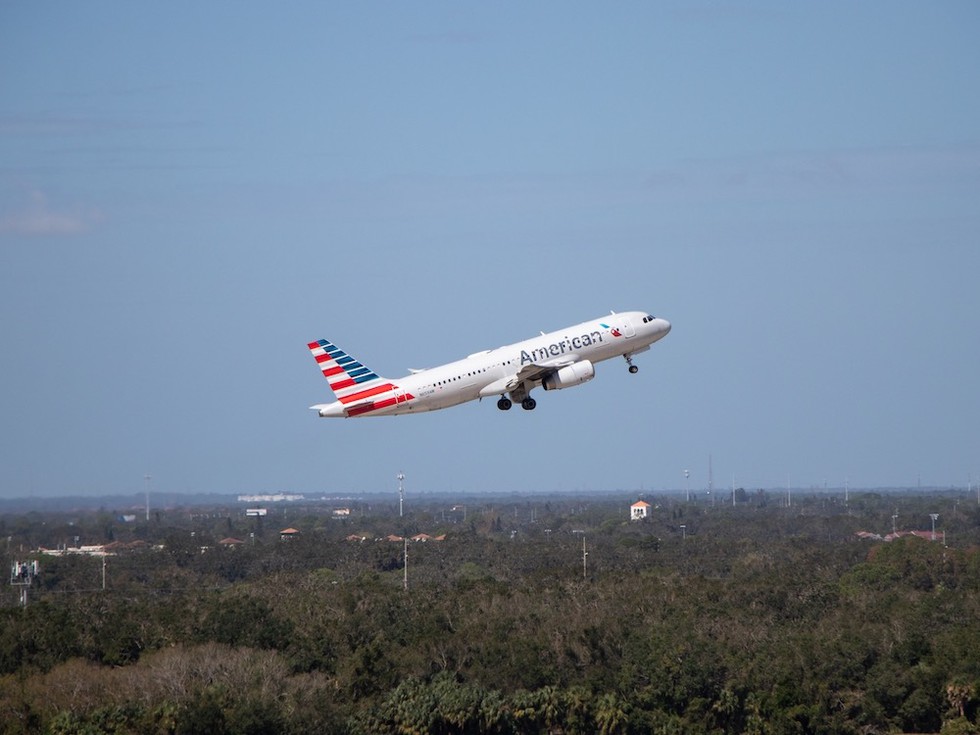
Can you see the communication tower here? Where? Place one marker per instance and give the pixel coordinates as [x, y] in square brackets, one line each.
[22, 574]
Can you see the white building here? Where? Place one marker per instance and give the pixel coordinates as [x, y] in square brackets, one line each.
[271, 498]
[639, 510]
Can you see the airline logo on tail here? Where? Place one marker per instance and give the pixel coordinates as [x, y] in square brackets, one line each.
[357, 387]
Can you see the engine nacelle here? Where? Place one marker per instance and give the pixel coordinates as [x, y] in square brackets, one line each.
[574, 374]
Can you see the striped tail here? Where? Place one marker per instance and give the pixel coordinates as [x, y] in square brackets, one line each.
[358, 388]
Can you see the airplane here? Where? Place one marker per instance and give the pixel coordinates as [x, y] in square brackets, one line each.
[553, 361]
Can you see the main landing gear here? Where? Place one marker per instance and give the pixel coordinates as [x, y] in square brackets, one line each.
[527, 404]
[629, 360]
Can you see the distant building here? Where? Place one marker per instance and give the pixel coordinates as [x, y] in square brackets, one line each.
[91, 550]
[341, 513]
[288, 533]
[271, 498]
[927, 535]
[230, 542]
[639, 510]
[869, 535]
[255, 512]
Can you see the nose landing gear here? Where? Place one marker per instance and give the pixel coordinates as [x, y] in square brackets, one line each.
[629, 360]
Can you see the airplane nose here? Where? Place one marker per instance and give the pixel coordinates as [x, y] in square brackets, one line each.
[664, 326]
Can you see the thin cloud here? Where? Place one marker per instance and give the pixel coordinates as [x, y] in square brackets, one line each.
[805, 172]
[40, 219]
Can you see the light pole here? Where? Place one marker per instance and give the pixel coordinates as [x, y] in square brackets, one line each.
[401, 492]
[683, 532]
[934, 517]
[405, 579]
[687, 484]
[147, 478]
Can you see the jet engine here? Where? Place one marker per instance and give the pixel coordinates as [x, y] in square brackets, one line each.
[574, 374]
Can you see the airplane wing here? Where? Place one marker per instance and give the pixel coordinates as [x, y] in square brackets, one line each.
[539, 370]
[530, 373]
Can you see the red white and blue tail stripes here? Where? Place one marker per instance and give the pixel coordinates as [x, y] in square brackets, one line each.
[357, 387]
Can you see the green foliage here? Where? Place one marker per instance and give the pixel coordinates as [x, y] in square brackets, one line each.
[959, 726]
[761, 620]
[242, 620]
[38, 636]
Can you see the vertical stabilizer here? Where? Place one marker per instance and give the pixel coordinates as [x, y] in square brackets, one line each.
[349, 380]
[359, 389]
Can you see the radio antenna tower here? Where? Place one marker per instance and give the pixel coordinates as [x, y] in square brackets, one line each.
[22, 574]
[401, 492]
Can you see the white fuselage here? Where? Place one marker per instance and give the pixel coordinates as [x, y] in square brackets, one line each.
[516, 369]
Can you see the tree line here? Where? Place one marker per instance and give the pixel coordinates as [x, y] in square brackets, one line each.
[758, 618]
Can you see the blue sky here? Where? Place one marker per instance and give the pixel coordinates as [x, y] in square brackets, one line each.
[189, 193]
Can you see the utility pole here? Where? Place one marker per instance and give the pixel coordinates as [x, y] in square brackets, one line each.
[585, 557]
[710, 480]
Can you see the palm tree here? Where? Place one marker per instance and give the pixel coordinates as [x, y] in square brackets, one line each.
[610, 714]
[959, 693]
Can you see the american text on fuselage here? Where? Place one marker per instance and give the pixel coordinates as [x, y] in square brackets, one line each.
[557, 349]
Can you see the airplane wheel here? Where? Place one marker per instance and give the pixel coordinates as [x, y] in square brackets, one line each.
[528, 404]
[504, 404]
[634, 369]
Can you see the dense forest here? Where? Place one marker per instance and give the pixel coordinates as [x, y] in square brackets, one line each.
[546, 614]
